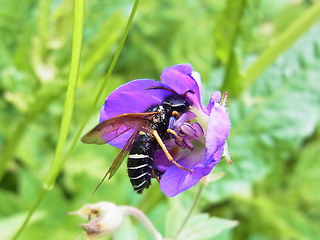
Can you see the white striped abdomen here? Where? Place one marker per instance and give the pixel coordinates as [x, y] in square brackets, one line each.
[140, 162]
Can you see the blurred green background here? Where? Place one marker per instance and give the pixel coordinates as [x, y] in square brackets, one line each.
[272, 188]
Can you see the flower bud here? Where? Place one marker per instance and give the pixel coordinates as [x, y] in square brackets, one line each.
[104, 218]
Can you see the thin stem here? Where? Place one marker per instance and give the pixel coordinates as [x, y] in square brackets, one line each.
[143, 219]
[285, 40]
[104, 83]
[194, 204]
[68, 108]
[69, 102]
[25, 222]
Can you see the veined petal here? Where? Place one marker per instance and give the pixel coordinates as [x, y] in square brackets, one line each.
[176, 180]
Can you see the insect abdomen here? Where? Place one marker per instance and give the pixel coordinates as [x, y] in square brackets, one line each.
[140, 163]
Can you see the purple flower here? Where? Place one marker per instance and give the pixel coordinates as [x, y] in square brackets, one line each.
[204, 130]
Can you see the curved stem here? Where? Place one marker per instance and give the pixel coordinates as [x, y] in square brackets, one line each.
[31, 212]
[194, 204]
[143, 219]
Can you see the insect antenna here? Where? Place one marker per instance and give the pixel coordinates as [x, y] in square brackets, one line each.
[189, 91]
[171, 90]
[163, 88]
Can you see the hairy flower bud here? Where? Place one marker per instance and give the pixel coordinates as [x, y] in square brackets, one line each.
[104, 218]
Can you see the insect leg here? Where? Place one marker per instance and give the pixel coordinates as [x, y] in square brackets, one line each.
[176, 114]
[155, 175]
[179, 139]
[164, 148]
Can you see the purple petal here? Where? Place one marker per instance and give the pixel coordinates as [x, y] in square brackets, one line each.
[197, 77]
[218, 129]
[176, 180]
[184, 118]
[179, 77]
[132, 97]
[215, 97]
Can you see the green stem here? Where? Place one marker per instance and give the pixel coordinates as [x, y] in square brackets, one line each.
[194, 204]
[31, 212]
[285, 40]
[105, 81]
[68, 107]
[69, 102]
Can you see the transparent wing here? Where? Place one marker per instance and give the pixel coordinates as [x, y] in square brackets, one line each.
[119, 159]
[110, 129]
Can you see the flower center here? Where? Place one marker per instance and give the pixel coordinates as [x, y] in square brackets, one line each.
[185, 131]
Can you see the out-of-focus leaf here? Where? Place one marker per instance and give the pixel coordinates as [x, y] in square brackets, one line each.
[201, 226]
[273, 215]
[189, 38]
[307, 174]
[233, 79]
[276, 114]
[225, 29]
[127, 231]
[305, 188]
[99, 48]
[178, 210]
[9, 225]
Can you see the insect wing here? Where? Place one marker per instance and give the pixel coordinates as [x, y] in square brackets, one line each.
[110, 129]
[119, 159]
[121, 156]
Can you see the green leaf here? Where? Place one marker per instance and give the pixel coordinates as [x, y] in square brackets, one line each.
[201, 226]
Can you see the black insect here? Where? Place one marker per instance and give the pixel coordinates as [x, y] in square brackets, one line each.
[151, 127]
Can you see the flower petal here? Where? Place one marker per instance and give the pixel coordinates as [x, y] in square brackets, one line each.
[132, 97]
[197, 77]
[215, 97]
[176, 180]
[179, 77]
[218, 129]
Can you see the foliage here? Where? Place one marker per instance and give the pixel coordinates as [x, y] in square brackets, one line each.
[271, 189]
